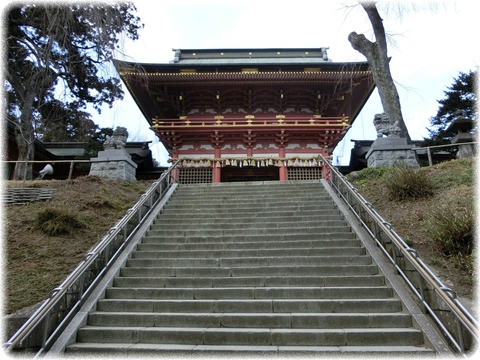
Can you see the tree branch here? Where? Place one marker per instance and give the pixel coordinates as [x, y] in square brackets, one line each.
[361, 44]
[377, 24]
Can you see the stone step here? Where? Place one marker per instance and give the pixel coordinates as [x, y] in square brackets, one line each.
[232, 198]
[268, 281]
[259, 200]
[249, 320]
[251, 293]
[232, 202]
[246, 190]
[263, 234]
[149, 259]
[266, 267]
[285, 196]
[175, 350]
[271, 216]
[200, 219]
[252, 187]
[199, 189]
[251, 271]
[251, 242]
[207, 232]
[251, 336]
[207, 254]
[247, 207]
[252, 223]
[252, 305]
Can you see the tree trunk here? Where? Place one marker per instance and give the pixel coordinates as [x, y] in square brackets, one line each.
[25, 138]
[376, 54]
[26, 150]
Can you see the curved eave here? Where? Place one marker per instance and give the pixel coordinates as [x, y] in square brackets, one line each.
[149, 68]
[183, 78]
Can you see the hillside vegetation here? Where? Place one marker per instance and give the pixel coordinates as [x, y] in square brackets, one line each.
[433, 210]
[40, 254]
[45, 240]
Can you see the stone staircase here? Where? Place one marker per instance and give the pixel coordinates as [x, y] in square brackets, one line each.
[254, 267]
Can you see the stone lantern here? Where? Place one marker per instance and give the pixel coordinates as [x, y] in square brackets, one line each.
[464, 136]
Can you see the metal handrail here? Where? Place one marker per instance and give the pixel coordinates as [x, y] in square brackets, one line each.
[377, 227]
[46, 323]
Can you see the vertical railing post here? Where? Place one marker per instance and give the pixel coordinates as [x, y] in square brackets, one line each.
[70, 171]
[460, 340]
[25, 174]
[429, 154]
[81, 285]
[46, 325]
[106, 254]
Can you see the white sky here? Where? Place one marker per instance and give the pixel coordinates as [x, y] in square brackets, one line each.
[429, 49]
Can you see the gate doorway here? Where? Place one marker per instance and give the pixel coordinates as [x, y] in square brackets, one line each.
[249, 173]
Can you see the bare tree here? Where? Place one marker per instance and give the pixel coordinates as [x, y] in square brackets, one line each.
[377, 56]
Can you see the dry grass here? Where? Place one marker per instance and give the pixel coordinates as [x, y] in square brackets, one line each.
[453, 187]
[37, 262]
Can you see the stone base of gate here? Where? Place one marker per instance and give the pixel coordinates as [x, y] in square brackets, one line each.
[389, 152]
[113, 164]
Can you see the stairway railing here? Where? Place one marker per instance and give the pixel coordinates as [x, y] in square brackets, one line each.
[455, 322]
[45, 325]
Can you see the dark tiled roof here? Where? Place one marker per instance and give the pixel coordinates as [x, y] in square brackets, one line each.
[249, 56]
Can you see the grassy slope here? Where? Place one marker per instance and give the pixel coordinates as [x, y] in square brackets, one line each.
[35, 262]
[454, 184]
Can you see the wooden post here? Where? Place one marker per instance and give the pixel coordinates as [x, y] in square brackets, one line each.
[217, 171]
[70, 172]
[175, 174]
[282, 169]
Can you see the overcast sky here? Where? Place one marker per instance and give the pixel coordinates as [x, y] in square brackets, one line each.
[429, 48]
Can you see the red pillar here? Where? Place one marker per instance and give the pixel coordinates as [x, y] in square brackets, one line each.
[175, 172]
[282, 169]
[217, 171]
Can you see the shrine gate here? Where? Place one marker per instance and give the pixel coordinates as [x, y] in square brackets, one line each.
[245, 115]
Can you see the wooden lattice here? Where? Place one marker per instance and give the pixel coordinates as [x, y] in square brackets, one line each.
[195, 175]
[304, 173]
